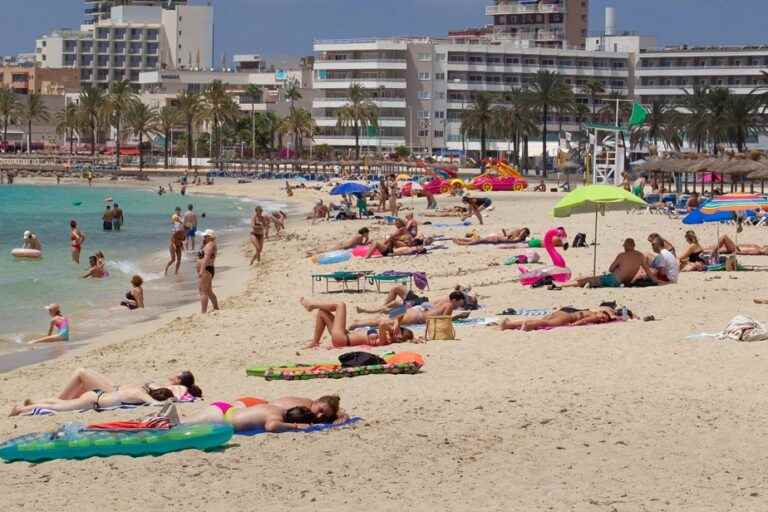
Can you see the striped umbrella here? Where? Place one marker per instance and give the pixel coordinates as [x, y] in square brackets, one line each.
[735, 203]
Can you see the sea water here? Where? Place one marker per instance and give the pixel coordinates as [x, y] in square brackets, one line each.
[140, 247]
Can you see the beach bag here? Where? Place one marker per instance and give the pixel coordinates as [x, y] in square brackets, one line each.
[580, 240]
[355, 359]
[440, 328]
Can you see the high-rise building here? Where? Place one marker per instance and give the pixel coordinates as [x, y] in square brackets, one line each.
[541, 23]
[97, 10]
[133, 39]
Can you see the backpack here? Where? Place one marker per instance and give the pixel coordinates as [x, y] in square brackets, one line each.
[580, 240]
[355, 359]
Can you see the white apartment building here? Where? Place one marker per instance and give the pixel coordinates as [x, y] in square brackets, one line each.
[133, 39]
[96, 10]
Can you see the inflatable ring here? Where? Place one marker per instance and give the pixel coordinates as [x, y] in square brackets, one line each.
[487, 187]
[31, 254]
[445, 188]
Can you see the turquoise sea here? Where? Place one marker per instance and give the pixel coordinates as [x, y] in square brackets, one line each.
[139, 248]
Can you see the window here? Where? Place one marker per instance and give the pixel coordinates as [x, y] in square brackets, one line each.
[424, 95]
[424, 57]
[425, 75]
[153, 34]
[102, 47]
[439, 134]
[440, 115]
[102, 33]
[135, 48]
[102, 61]
[441, 95]
[119, 33]
[439, 76]
[512, 60]
[424, 114]
[136, 34]
[423, 133]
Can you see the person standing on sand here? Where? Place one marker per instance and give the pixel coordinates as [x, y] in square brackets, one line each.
[393, 206]
[190, 226]
[107, 218]
[78, 239]
[207, 270]
[59, 322]
[258, 229]
[117, 217]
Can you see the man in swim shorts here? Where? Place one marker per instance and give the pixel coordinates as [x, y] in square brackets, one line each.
[190, 226]
[107, 218]
[622, 271]
[117, 217]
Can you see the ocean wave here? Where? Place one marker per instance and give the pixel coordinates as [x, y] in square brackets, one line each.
[131, 268]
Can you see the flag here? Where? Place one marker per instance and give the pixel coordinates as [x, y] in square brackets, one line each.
[639, 114]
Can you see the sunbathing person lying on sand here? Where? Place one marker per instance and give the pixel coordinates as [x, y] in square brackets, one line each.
[417, 315]
[621, 272]
[399, 243]
[727, 246]
[84, 380]
[361, 238]
[99, 399]
[333, 319]
[281, 415]
[400, 295]
[561, 318]
[514, 236]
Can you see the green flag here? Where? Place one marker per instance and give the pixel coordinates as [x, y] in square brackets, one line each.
[372, 131]
[639, 114]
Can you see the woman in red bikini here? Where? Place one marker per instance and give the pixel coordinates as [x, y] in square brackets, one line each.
[78, 239]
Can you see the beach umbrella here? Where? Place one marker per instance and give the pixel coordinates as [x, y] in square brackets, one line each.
[350, 187]
[596, 199]
[699, 217]
[735, 203]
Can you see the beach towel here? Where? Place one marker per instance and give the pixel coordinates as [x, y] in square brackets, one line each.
[452, 224]
[394, 363]
[314, 428]
[526, 312]
[740, 328]
[42, 411]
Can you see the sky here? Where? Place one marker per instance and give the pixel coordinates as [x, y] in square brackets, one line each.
[288, 27]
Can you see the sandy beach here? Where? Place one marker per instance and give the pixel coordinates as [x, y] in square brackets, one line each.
[627, 416]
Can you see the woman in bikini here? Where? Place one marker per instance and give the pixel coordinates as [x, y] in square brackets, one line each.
[207, 270]
[99, 399]
[361, 238]
[513, 237]
[561, 318]
[175, 247]
[727, 246]
[691, 260]
[78, 239]
[333, 319]
[83, 380]
[95, 269]
[476, 205]
[134, 299]
[259, 225]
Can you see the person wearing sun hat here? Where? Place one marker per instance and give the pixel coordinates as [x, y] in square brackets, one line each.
[206, 269]
[31, 241]
[59, 323]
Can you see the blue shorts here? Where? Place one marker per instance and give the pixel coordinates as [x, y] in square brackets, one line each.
[609, 281]
[191, 232]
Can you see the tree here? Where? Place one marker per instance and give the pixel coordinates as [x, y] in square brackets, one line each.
[741, 118]
[190, 107]
[402, 152]
[255, 93]
[592, 89]
[168, 118]
[267, 127]
[478, 119]
[9, 106]
[696, 119]
[67, 124]
[359, 113]
[91, 107]
[546, 92]
[219, 108]
[301, 125]
[116, 103]
[142, 121]
[293, 94]
[33, 109]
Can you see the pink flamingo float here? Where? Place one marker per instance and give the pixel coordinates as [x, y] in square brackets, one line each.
[558, 272]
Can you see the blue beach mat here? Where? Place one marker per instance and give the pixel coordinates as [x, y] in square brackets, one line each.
[314, 428]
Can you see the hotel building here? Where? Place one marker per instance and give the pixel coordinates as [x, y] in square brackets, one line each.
[99, 10]
[133, 39]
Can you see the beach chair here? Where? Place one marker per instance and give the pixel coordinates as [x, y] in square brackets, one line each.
[652, 200]
[344, 278]
[391, 278]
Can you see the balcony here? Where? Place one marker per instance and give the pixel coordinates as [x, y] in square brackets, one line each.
[502, 9]
[367, 83]
[338, 102]
[331, 64]
[349, 141]
[384, 122]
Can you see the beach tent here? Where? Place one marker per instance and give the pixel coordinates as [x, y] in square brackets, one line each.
[596, 199]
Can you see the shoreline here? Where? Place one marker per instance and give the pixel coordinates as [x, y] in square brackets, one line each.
[230, 281]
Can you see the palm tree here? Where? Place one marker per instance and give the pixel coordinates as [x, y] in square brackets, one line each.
[91, 109]
[67, 123]
[301, 125]
[546, 92]
[657, 120]
[741, 118]
[592, 89]
[168, 118]
[359, 113]
[116, 104]
[190, 107]
[142, 121]
[479, 119]
[219, 108]
[33, 109]
[267, 127]
[8, 109]
[696, 120]
[293, 94]
[255, 93]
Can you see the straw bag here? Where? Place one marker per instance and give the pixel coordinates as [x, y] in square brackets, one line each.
[440, 328]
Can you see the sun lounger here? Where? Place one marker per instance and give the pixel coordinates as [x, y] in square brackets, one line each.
[344, 278]
[391, 278]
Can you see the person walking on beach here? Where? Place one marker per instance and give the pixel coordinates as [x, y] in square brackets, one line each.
[258, 229]
[59, 323]
[107, 218]
[206, 270]
[117, 217]
[190, 226]
[78, 239]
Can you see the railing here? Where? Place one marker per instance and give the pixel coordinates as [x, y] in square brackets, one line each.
[704, 66]
[493, 10]
[360, 61]
[360, 79]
